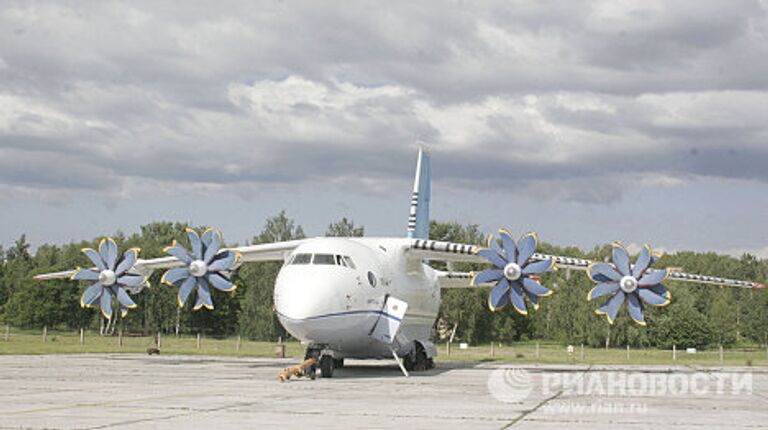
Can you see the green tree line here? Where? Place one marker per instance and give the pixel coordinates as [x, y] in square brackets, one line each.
[699, 315]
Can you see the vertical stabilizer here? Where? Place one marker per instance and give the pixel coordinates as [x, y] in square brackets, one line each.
[418, 219]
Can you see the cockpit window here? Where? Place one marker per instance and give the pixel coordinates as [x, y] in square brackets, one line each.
[322, 259]
[301, 259]
[326, 259]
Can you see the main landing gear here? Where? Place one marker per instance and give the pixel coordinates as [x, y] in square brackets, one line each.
[418, 361]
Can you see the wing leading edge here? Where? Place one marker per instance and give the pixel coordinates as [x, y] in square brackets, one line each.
[458, 252]
[262, 252]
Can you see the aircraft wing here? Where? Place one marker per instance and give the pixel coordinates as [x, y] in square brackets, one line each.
[459, 252]
[262, 252]
[456, 252]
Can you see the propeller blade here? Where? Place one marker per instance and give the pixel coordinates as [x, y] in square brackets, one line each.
[179, 251]
[108, 252]
[635, 308]
[603, 269]
[91, 295]
[613, 306]
[219, 282]
[643, 262]
[499, 296]
[95, 258]
[195, 243]
[509, 245]
[653, 278]
[123, 298]
[486, 276]
[652, 298]
[493, 257]
[203, 295]
[223, 261]
[106, 304]
[621, 259]
[526, 247]
[85, 275]
[603, 289]
[539, 267]
[172, 276]
[516, 297]
[186, 289]
[213, 247]
[534, 287]
[129, 260]
[131, 280]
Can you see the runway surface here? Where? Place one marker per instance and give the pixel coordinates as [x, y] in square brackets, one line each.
[137, 392]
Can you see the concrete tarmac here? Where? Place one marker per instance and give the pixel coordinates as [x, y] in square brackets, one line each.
[121, 391]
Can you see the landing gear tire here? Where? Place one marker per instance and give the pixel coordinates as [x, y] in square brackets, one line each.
[420, 363]
[408, 362]
[338, 363]
[326, 366]
[430, 363]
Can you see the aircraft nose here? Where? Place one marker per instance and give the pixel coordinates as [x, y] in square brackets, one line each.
[302, 294]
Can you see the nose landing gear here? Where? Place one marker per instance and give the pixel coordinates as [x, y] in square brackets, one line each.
[328, 363]
[326, 366]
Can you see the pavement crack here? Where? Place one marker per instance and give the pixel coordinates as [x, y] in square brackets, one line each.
[539, 405]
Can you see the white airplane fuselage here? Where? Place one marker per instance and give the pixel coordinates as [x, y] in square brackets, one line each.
[335, 305]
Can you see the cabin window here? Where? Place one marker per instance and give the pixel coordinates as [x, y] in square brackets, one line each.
[301, 259]
[349, 261]
[324, 259]
[340, 261]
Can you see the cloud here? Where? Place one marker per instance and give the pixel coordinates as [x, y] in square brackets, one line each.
[582, 102]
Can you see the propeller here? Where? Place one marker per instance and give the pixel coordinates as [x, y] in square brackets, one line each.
[629, 283]
[205, 265]
[514, 272]
[112, 276]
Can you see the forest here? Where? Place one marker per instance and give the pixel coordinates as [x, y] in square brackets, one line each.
[699, 315]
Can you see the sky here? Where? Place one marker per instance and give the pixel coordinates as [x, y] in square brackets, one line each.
[587, 122]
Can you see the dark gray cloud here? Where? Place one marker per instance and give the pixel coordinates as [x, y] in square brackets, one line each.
[585, 97]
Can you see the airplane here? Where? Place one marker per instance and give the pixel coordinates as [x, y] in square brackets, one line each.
[373, 298]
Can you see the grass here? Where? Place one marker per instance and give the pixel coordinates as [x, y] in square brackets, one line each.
[57, 342]
[554, 353]
[60, 342]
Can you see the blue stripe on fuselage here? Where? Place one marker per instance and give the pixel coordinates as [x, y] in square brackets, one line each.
[338, 314]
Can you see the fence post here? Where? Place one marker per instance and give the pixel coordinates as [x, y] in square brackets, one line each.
[721, 352]
[582, 351]
[45, 334]
[82, 336]
[198, 341]
[674, 352]
[238, 342]
[448, 348]
[120, 338]
[493, 351]
[7, 332]
[538, 352]
[627, 351]
[158, 340]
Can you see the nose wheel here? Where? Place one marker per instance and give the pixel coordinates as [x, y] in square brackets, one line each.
[325, 361]
[326, 366]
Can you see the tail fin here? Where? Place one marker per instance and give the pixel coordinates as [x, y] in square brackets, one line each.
[418, 219]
